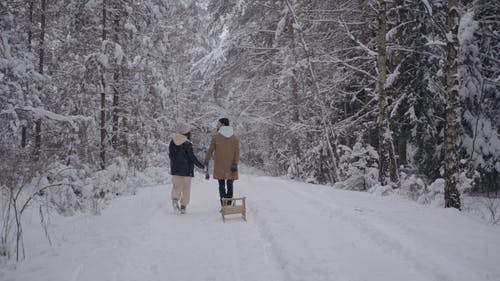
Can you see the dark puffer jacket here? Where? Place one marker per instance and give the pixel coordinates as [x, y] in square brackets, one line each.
[182, 159]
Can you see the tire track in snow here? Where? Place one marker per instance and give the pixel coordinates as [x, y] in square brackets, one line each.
[270, 248]
[77, 272]
[424, 261]
[287, 264]
[234, 260]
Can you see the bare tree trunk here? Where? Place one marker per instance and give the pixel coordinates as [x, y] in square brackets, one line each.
[334, 174]
[383, 126]
[103, 126]
[41, 53]
[38, 138]
[116, 77]
[294, 98]
[30, 39]
[451, 194]
[124, 140]
[217, 88]
[362, 8]
[103, 94]
[393, 164]
[41, 49]
[4, 251]
[44, 225]
[114, 138]
[23, 136]
[30, 28]
[293, 80]
[19, 229]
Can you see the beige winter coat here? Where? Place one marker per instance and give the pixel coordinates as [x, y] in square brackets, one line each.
[227, 152]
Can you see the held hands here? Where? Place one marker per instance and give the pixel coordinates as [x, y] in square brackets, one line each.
[234, 168]
[207, 175]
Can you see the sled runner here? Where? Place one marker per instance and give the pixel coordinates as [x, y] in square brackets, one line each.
[237, 206]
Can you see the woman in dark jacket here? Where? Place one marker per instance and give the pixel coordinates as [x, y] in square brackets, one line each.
[182, 161]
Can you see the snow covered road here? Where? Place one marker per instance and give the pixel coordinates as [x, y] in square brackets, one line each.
[295, 231]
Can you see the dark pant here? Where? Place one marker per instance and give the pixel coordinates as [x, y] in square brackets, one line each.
[223, 193]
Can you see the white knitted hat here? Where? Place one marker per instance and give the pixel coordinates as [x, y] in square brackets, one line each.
[182, 128]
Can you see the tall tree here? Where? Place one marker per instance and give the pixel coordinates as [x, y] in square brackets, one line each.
[477, 69]
[31, 4]
[294, 96]
[41, 57]
[103, 89]
[452, 196]
[384, 133]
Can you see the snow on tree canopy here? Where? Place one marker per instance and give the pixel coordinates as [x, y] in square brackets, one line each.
[467, 28]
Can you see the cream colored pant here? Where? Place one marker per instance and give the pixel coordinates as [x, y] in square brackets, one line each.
[181, 188]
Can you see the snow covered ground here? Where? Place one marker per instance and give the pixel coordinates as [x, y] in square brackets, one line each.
[295, 231]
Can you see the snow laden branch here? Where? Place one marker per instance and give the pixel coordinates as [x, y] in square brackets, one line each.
[350, 66]
[298, 27]
[428, 6]
[368, 110]
[40, 113]
[316, 88]
[361, 45]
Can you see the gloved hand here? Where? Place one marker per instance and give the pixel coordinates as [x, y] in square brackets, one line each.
[207, 175]
[234, 168]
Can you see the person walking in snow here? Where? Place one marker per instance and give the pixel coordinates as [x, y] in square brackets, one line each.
[182, 161]
[226, 147]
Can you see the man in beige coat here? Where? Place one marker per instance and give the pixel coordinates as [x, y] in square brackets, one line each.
[226, 147]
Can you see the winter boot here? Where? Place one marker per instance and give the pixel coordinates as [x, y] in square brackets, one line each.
[183, 209]
[175, 205]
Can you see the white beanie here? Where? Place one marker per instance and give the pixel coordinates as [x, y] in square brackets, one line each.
[182, 128]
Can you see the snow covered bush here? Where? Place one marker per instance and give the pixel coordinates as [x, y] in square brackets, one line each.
[492, 207]
[487, 208]
[358, 167]
[149, 177]
[434, 194]
[93, 189]
[23, 182]
[412, 186]
[309, 168]
[65, 189]
[381, 190]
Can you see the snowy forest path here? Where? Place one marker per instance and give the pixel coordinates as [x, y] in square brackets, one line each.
[392, 236]
[295, 231]
[141, 238]
[334, 231]
[325, 244]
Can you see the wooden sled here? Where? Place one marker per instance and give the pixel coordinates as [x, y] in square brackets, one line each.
[237, 206]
